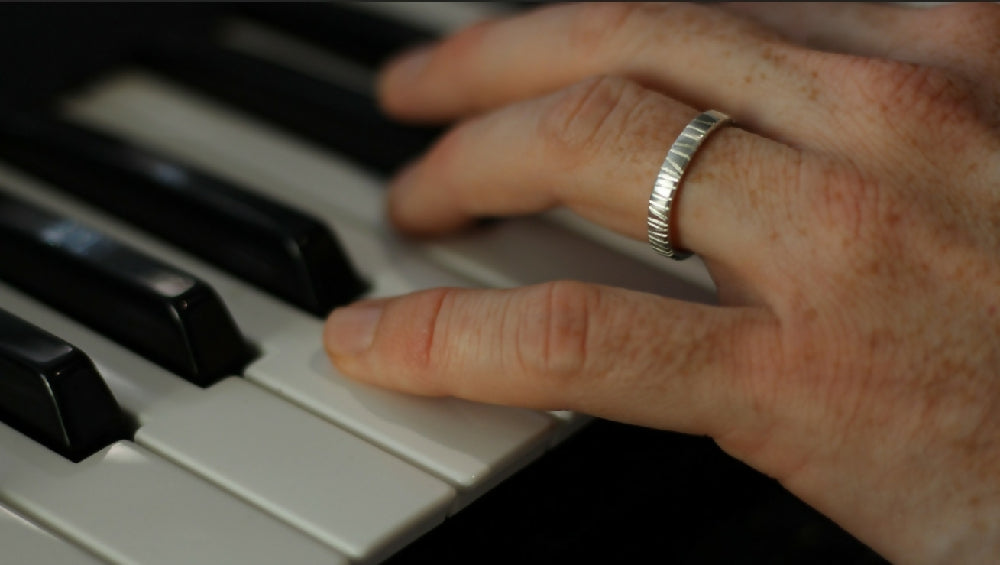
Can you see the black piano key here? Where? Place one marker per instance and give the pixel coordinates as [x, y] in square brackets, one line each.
[51, 392]
[277, 248]
[324, 112]
[357, 34]
[158, 311]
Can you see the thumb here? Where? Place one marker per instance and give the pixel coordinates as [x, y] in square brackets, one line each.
[603, 351]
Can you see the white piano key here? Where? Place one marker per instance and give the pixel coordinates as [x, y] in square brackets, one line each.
[315, 476]
[470, 445]
[329, 484]
[24, 543]
[129, 506]
[510, 253]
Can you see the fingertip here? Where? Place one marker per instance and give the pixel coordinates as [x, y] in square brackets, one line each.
[395, 82]
[350, 330]
[416, 212]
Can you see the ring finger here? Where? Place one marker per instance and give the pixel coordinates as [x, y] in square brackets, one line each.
[596, 148]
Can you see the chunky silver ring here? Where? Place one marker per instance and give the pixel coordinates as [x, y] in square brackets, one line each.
[669, 179]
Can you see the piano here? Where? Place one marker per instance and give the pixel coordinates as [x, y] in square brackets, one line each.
[185, 190]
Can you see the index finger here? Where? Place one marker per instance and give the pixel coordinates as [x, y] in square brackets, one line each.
[598, 350]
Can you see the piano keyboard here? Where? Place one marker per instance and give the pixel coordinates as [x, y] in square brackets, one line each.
[185, 228]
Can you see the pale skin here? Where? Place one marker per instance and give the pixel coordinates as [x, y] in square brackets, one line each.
[851, 223]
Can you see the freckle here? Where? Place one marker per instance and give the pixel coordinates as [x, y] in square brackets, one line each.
[748, 79]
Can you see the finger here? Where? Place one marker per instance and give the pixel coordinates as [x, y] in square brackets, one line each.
[702, 55]
[596, 148]
[938, 36]
[598, 350]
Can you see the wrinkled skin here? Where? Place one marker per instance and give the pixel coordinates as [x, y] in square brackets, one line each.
[851, 223]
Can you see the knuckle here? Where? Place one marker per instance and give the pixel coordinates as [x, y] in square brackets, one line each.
[906, 95]
[553, 338]
[589, 115]
[422, 355]
[847, 203]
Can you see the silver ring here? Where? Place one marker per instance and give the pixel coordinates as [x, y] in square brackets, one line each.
[669, 179]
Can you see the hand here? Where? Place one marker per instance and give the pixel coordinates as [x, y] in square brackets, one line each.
[851, 222]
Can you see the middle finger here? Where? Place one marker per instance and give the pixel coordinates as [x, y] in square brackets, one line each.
[702, 55]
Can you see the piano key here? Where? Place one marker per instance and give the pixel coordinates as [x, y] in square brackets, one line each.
[440, 18]
[170, 118]
[51, 392]
[471, 446]
[260, 40]
[129, 506]
[328, 113]
[313, 475]
[276, 247]
[342, 28]
[164, 313]
[25, 543]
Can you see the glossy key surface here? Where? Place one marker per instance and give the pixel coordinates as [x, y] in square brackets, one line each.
[159, 311]
[51, 392]
[281, 249]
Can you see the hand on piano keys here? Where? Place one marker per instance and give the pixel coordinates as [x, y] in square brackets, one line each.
[258, 109]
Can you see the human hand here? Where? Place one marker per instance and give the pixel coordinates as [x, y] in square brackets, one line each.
[851, 223]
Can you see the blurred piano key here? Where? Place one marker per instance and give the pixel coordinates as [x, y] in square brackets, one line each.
[470, 445]
[51, 392]
[315, 476]
[278, 248]
[437, 17]
[161, 312]
[129, 506]
[348, 29]
[331, 114]
[25, 543]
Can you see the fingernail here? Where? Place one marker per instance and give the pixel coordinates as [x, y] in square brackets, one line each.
[350, 330]
[409, 65]
[403, 178]
[398, 201]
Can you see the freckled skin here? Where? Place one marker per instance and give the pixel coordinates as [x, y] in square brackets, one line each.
[850, 219]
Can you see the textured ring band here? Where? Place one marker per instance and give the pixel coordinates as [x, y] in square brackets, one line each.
[669, 179]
